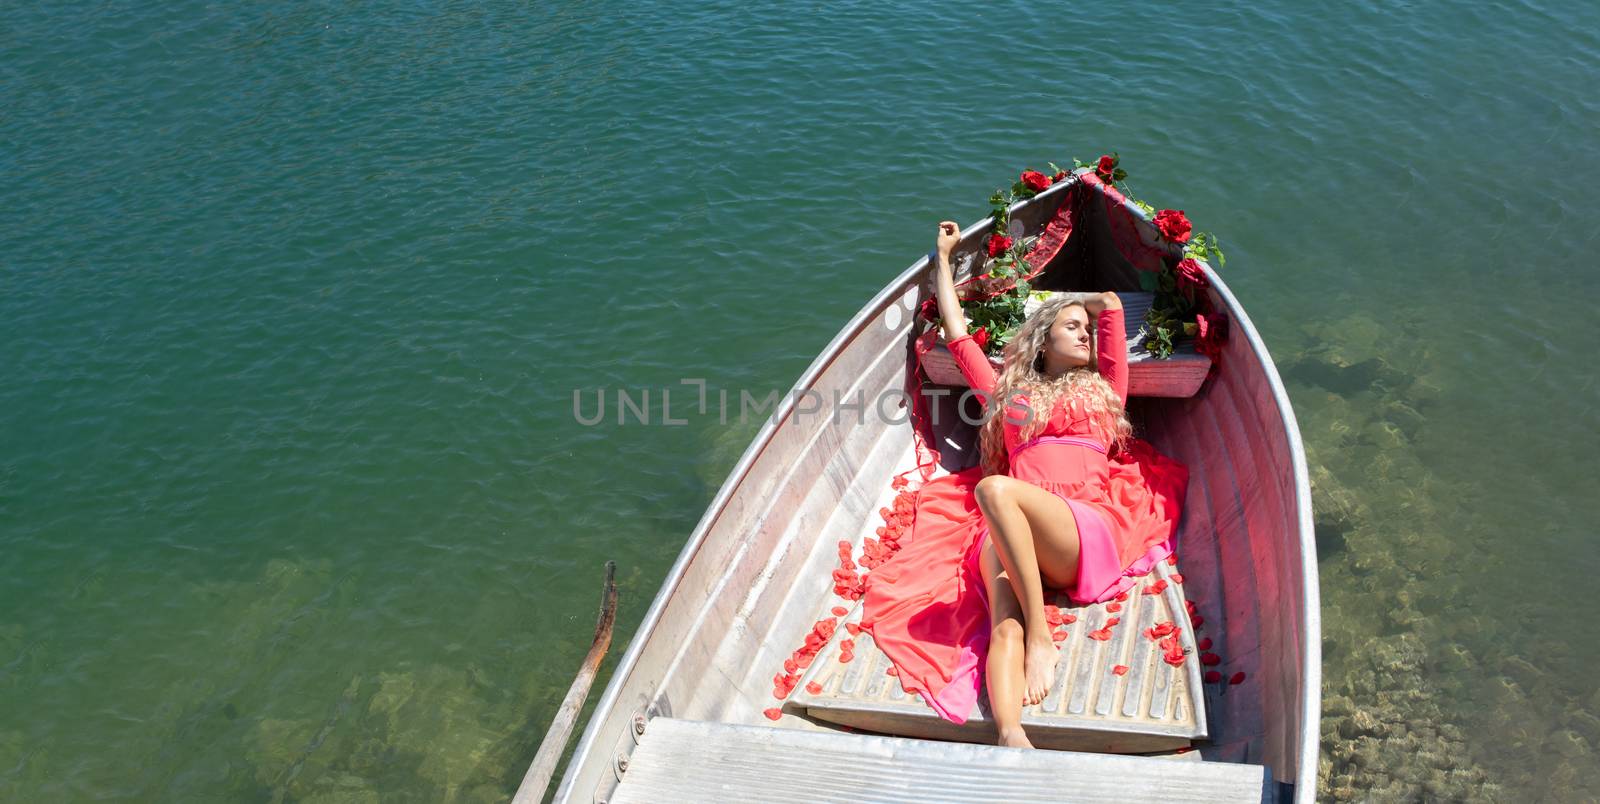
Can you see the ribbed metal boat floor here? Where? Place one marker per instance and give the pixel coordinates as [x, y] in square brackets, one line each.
[1152, 707]
[692, 761]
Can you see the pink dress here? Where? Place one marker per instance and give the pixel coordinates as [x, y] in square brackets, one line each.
[927, 607]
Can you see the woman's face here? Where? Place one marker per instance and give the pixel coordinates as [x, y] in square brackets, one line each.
[1070, 343]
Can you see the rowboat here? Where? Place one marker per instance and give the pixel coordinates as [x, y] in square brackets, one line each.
[689, 713]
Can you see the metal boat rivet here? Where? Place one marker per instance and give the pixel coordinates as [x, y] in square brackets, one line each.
[638, 724]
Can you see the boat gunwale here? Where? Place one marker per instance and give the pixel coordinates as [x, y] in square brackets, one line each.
[1311, 647]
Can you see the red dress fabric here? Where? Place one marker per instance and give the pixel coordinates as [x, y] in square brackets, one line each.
[927, 607]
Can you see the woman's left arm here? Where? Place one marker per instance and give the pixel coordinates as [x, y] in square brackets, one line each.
[1111, 340]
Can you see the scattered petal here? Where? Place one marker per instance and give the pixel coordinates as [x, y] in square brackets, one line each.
[1101, 635]
[1122, 598]
[1113, 621]
[772, 714]
[1212, 677]
[892, 672]
[1197, 620]
[1052, 615]
[1156, 588]
[847, 645]
[840, 611]
[1237, 678]
[1210, 659]
[1205, 644]
[1114, 607]
[844, 658]
[1058, 636]
[1177, 577]
[1118, 670]
[1172, 560]
[814, 688]
[854, 629]
[1068, 619]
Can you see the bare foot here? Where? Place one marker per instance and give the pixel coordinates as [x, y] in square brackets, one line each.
[1038, 668]
[1013, 738]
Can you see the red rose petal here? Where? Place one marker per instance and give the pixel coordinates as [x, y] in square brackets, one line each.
[892, 672]
[844, 658]
[854, 629]
[1121, 598]
[840, 611]
[1177, 577]
[814, 688]
[1205, 644]
[790, 665]
[1119, 669]
[1174, 659]
[1156, 588]
[1068, 619]
[1210, 659]
[772, 714]
[1197, 620]
[1114, 607]
[1058, 636]
[1113, 621]
[1212, 677]
[1172, 560]
[1101, 635]
[1237, 678]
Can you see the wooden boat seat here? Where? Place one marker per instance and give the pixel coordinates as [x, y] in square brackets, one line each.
[1152, 707]
[692, 761]
[1180, 375]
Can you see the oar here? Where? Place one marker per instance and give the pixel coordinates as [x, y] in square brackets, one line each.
[555, 740]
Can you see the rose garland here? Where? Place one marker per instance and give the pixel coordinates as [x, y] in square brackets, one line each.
[996, 305]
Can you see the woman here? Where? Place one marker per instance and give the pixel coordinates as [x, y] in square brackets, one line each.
[1065, 499]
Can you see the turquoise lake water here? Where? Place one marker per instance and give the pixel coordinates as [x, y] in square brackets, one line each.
[293, 299]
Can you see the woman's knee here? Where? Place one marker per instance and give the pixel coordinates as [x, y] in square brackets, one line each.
[993, 490]
[1007, 630]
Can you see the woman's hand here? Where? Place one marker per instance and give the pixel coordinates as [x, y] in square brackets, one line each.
[1099, 302]
[949, 237]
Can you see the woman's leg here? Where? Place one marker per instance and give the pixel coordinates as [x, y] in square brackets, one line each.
[1036, 538]
[1003, 665]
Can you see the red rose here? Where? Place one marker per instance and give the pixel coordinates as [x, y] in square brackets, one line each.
[1060, 174]
[1035, 181]
[1211, 332]
[1173, 224]
[998, 245]
[929, 311]
[980, 336]
[1107, 169]
[1191, 277]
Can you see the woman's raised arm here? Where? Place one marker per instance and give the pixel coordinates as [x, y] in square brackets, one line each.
[951, 320]
[969, 357]
[1111, 341]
